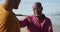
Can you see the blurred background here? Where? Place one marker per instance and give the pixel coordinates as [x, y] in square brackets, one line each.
[51, 8]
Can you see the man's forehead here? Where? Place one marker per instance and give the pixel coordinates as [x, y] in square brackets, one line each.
[12, 0]
[37, 4]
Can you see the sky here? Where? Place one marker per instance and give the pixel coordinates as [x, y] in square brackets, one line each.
[50, 7]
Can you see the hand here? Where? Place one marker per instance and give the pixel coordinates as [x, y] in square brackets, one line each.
[50, 29]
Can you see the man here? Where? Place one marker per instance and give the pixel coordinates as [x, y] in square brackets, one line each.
[8, 20]
[37, 22]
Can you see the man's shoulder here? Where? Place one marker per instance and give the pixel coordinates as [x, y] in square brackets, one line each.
[1, 5]
[47, 19]
[30, 16]
[2, 10]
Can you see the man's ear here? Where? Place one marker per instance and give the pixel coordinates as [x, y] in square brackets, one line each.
[42, 8]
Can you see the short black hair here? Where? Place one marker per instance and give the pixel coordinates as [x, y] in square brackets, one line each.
[38, 3]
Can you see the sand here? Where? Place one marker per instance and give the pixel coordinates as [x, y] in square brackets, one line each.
[56, 28]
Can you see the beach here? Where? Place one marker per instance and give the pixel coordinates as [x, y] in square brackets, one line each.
[56, 28]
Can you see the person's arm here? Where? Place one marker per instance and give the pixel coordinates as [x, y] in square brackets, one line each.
[23, 23]
[50, 29]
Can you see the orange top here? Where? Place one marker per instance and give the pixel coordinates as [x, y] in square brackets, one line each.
[8, 21]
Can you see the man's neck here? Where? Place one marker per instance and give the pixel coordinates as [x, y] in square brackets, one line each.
[8, 8]
[41, 17]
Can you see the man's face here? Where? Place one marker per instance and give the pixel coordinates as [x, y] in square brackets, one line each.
[16, 4]
[37, 9]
